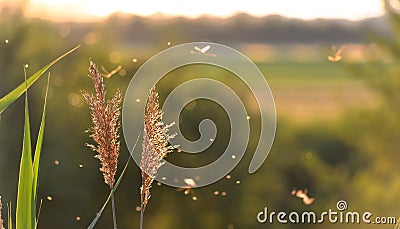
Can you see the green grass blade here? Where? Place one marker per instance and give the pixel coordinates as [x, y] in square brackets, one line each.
[36, 160]
[25, 200]
[18, 91]
[38, 214]
[93, 223]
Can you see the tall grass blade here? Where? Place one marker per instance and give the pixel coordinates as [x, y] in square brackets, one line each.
[39, 142]
[93, 223]
[10, 223]
[38, 214]
[25, 217]
[18, 91]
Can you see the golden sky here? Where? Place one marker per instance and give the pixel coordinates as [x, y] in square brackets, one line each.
[304, 9]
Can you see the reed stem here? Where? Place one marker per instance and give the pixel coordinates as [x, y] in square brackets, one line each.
[141, 218]
[113, 211]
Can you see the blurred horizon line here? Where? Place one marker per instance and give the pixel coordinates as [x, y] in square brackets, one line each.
[74, 11]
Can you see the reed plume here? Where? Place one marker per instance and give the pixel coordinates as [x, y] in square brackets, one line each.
[105, 116]
[155, 147]
[1, 219]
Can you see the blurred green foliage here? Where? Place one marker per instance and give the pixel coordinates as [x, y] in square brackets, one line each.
[354, 157]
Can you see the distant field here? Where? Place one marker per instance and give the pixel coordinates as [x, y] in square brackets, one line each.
[305, 85]
[313, 91]
[303, 91]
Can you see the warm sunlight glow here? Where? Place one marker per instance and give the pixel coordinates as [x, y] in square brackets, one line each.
[305, 9]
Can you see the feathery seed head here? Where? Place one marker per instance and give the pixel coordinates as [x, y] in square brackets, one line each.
[105, 131]
[155, 145]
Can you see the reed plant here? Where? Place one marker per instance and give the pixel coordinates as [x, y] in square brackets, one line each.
[155, 147]
[105, 116]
